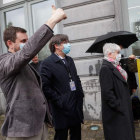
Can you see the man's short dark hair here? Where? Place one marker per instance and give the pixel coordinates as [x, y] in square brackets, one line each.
[11, 34]
[57, 39]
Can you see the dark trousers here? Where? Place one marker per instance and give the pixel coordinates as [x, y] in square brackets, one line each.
[74, 132]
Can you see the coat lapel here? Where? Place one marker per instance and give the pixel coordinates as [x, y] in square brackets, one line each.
[56, 58]
[115, 71]
[37, 75]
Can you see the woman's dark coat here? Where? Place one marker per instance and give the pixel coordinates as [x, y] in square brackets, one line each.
[116, 104]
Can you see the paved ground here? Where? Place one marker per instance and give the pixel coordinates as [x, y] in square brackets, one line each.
[87, 134]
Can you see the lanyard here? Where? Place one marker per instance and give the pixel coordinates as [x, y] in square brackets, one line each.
[72, 83]
[65, 65]
[67, 68]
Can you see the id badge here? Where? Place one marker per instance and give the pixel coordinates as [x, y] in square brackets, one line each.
[72, 86]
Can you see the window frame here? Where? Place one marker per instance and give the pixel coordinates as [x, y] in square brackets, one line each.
[30, 18]
[2, 6]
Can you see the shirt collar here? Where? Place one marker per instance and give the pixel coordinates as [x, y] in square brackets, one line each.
[60, 56]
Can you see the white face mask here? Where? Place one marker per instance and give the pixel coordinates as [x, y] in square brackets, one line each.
[118, 57]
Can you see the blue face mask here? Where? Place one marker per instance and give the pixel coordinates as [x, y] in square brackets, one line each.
[66, 49]
[21, 45]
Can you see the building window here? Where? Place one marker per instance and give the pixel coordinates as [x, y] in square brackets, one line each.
[16, 20]
[134, 19]
[39, 17]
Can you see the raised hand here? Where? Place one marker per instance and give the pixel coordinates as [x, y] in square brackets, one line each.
[132, 57]
[57, 16]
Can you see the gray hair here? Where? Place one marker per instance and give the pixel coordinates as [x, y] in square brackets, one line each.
[110, 48]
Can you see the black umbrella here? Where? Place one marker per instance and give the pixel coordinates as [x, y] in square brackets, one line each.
[123, 38]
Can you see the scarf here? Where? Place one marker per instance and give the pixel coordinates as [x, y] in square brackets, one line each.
[118, 67]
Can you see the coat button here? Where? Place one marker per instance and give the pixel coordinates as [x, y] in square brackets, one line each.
[44, 103]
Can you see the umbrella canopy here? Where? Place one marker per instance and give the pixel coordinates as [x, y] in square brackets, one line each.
[123, 38]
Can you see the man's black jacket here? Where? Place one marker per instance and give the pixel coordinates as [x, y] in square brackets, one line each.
[131, 76]
[66, 105]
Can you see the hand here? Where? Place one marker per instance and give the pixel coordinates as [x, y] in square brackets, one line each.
[132, 57]
[57, 16]
[133, 90]
[60, 12]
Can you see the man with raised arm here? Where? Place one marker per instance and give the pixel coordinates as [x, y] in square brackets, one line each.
[21, 85]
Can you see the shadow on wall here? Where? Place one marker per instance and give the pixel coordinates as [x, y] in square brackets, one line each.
[94, 70]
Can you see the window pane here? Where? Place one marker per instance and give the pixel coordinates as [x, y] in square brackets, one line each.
[16, 20]
[7, 1]
[40, 17]
[133, 3]
[134, 19]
